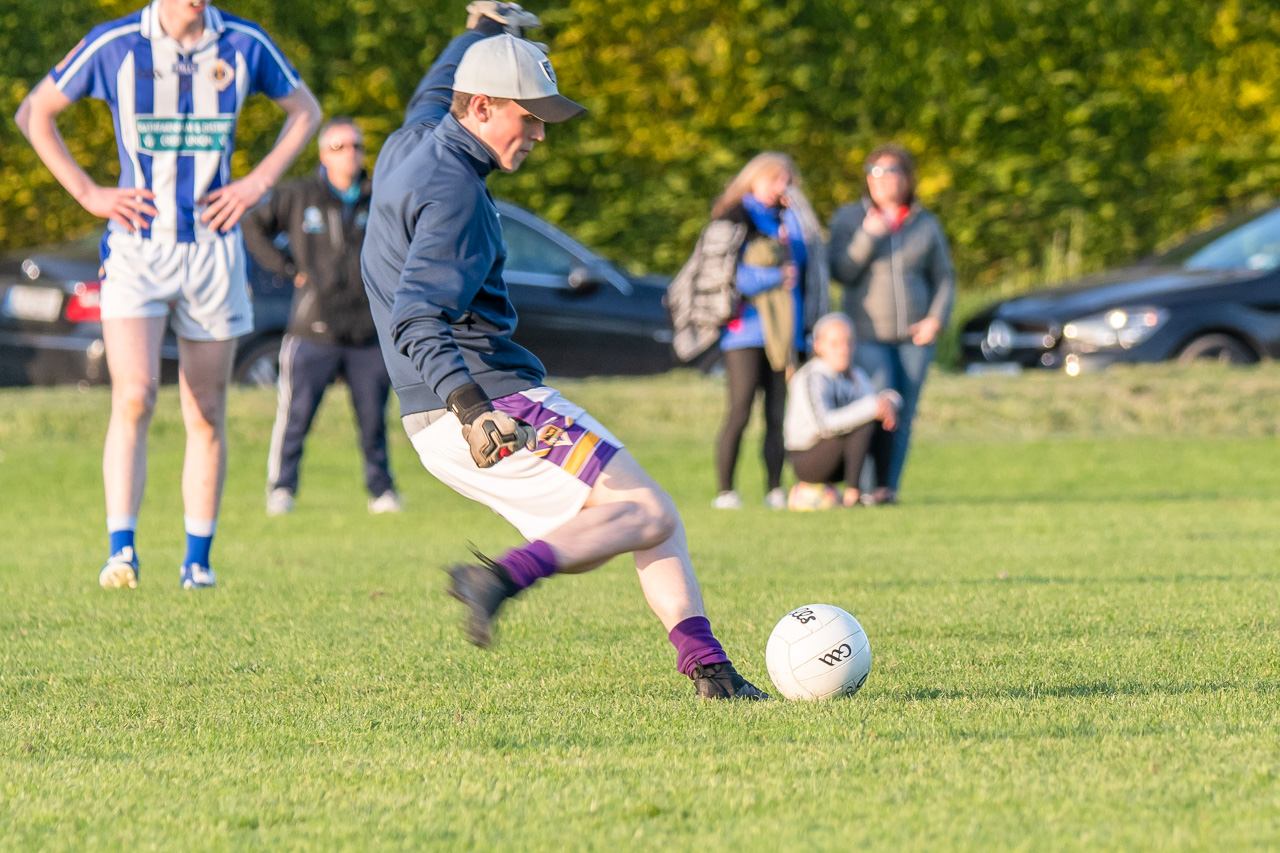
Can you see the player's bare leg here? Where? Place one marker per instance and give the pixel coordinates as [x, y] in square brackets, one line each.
[133, 358]
[203, 375]
[626, 511]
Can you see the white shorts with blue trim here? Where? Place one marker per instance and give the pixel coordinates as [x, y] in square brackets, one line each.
[204, 285]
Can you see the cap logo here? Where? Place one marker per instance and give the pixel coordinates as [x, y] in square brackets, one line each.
[546, 69]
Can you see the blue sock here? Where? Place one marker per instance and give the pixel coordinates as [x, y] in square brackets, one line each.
[120, 530]
[199, 541]
[120, 539]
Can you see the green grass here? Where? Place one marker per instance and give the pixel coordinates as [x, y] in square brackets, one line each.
[1074, 619]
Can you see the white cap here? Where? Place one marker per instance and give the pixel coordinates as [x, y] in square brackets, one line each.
[508, 67]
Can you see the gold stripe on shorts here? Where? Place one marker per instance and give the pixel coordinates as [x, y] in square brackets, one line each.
[581, 453]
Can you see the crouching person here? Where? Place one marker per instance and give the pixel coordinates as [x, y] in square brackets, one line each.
[834, 420]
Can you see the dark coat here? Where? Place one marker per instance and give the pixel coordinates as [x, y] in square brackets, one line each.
[325, 238]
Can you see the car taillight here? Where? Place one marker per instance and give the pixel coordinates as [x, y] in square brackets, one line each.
[84, 306]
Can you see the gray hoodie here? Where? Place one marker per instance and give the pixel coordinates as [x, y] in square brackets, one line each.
[823, 404]
[893, 281]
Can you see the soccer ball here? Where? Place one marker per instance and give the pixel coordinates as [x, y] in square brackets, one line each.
[806, 497]
[817, 652]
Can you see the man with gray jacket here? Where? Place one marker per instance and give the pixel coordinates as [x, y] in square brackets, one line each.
[892, 258]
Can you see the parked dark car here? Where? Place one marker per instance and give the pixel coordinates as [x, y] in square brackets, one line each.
[1215, 296]
[578, 312]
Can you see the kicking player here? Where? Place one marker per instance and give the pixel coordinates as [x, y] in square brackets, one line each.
[474, 403]
[175, 75]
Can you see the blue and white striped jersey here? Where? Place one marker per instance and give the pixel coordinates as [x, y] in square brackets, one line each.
[175, 110]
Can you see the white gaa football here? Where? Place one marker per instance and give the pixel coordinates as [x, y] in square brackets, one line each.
[817, 652]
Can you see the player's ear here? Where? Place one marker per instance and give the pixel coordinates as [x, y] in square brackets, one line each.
[481, 107]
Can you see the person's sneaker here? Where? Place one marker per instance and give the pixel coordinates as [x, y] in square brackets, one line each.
[388, 501]
[482, 587]
[721, 681]
[196, 576]
[120, 571]
[727, 500]
[775, 499]
[279, 502]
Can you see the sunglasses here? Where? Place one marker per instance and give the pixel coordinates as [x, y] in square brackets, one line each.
[881, 171]
[343, 146]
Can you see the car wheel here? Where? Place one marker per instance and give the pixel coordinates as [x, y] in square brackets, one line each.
[1223, 349]
[260, 365]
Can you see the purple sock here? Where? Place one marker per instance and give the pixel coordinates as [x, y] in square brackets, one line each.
[527, 565]
[695, 644]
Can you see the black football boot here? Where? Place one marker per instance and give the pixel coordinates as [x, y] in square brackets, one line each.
[721, 681]
[482, 587]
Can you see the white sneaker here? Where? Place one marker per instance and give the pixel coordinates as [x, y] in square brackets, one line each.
[775, 499]
[388, 501]
[727, 500]
[279, 502]
[121, 570]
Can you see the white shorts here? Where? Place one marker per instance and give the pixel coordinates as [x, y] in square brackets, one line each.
[204, 285]
[536, 490]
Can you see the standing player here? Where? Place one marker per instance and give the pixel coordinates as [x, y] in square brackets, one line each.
[175, 75]
[473, 402]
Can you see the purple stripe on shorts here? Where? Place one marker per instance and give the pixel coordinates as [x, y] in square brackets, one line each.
[561, 441]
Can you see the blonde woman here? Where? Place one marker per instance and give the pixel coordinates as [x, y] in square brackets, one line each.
[756, 284]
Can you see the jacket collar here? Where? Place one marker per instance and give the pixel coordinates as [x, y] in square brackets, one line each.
[463, 141]
[151, 29]
[913, 209]
[366, 185]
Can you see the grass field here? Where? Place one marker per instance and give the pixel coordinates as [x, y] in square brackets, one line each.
[1074, 616]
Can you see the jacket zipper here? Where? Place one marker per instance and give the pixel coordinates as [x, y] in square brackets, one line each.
[335, 231]
[900, 285]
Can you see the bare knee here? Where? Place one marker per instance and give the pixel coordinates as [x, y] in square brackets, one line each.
[134, 402]
[657, 515]
[205, 413]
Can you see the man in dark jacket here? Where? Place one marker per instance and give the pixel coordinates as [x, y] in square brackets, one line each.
[473, 402]
[331, 331]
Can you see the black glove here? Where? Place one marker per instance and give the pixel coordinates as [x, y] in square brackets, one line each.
[490, 434]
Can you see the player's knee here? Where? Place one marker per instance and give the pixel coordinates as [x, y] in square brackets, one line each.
[206, 409]
[660, 518]
[134, 401]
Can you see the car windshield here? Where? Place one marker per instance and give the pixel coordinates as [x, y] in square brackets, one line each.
[1252, 245]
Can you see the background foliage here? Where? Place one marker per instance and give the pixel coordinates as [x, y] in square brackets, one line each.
[1054, 135]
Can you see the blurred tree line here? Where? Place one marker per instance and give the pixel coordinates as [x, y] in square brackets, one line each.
[1052, 135]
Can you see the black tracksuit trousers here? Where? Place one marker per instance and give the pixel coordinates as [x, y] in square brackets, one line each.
[307, 369]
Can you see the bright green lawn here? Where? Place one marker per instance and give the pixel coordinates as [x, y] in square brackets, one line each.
[1076, 638]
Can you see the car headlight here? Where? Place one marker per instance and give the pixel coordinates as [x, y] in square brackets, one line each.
[1119, 327]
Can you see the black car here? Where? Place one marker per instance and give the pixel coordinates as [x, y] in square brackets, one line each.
[578, 312]
[1216, 296]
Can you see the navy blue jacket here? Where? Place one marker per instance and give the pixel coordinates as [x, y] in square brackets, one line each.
[433, 257]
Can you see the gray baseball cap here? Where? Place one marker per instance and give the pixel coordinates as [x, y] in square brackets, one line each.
[508, 67]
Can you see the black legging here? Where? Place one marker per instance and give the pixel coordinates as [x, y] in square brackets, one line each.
[840, 458]
[748, 370]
